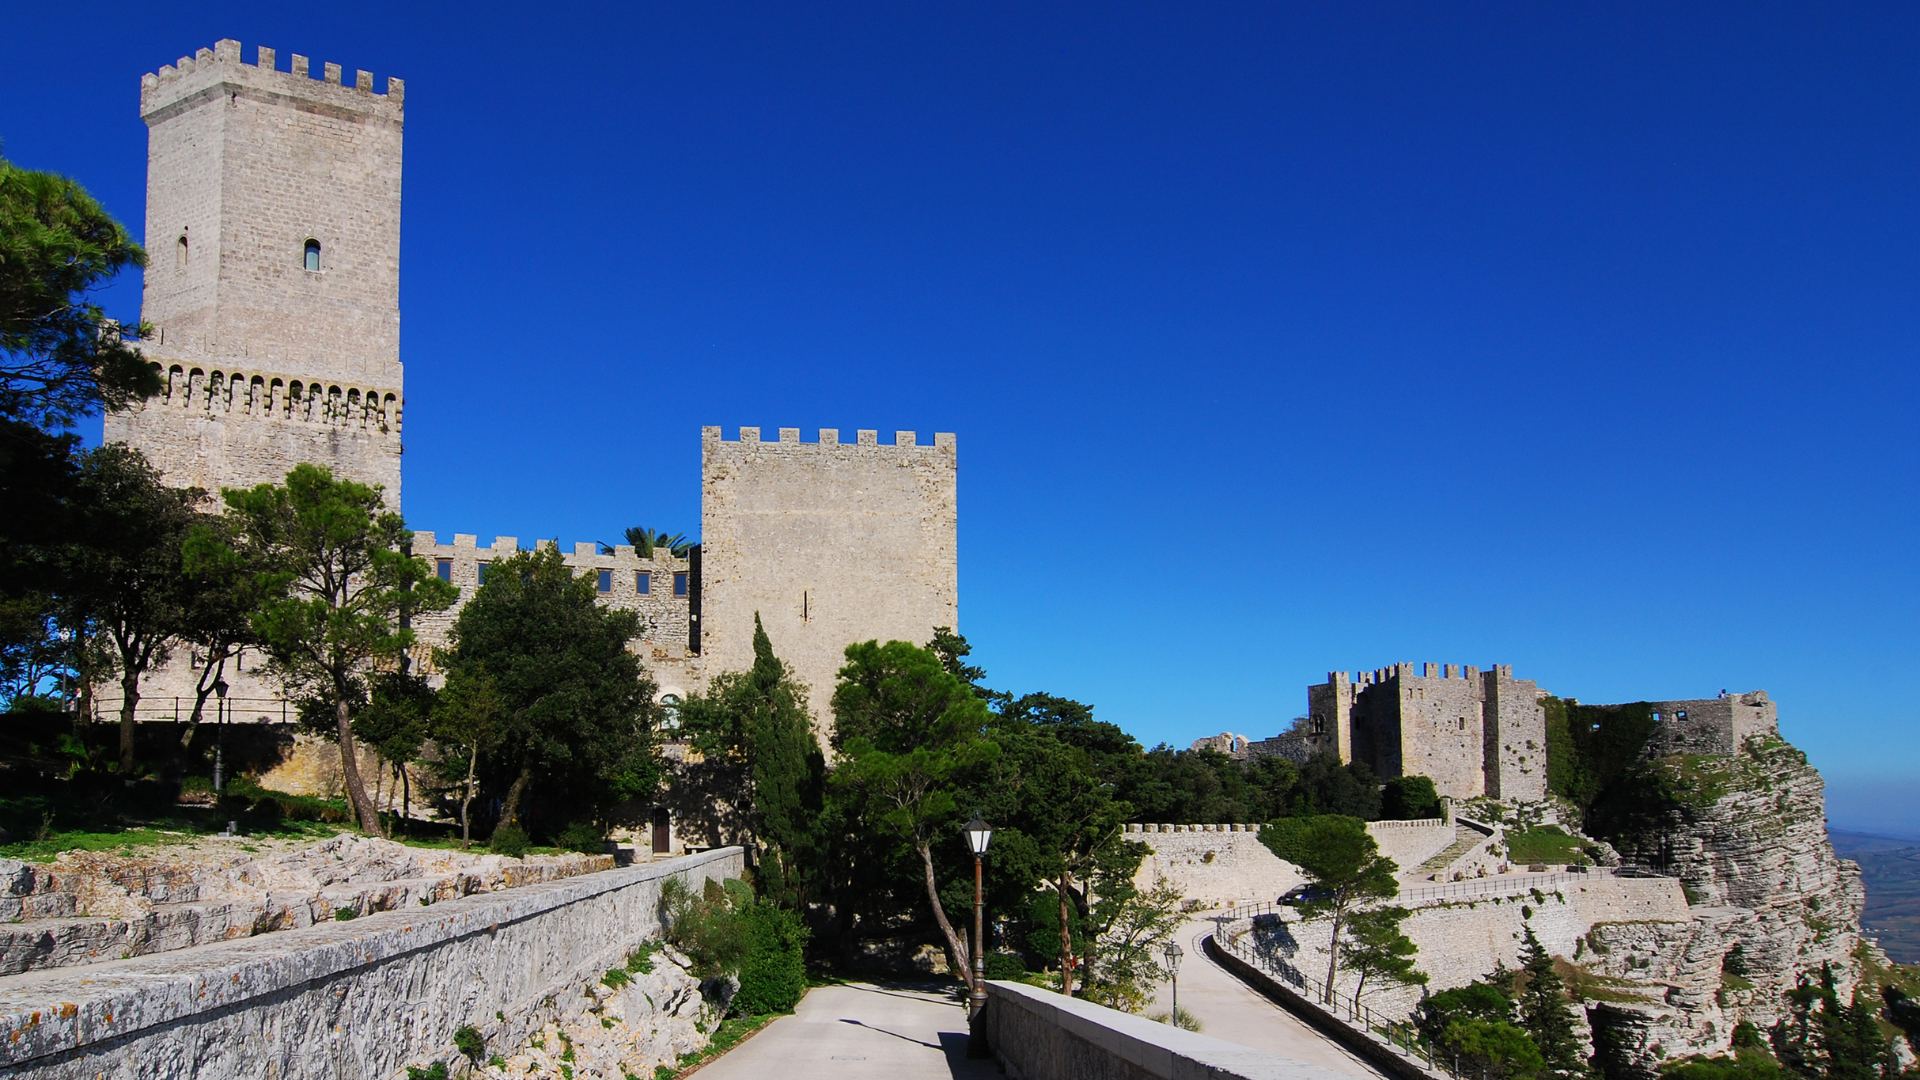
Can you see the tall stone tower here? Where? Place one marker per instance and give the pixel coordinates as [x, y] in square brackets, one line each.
[830, 543]
[273, 239]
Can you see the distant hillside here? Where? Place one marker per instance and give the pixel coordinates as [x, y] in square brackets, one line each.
[1891, 870]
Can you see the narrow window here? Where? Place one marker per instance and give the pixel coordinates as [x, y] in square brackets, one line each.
[444, 568]
[483, 573]
[180, 251]
[313, 254]
[669, 712]
[680, 583]
[606, 581]
[643, 582]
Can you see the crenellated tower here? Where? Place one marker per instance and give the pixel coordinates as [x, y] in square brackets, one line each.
[273, 281]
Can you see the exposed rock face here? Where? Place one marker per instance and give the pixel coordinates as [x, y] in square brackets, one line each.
[1772, 902]
[619, 1032]
[91, 906]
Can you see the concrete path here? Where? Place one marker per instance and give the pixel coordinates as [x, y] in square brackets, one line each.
[859, 1030]
[1228, 1009]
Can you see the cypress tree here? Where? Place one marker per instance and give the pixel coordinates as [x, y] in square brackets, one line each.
[1544, 1013]
[787, 768]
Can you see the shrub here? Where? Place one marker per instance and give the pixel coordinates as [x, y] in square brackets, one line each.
[509, 840]
[345, 914]
[582, 837]
[1006, 966]
[470, 1042]
[773, 975]
[435, 1071]
[616, 978]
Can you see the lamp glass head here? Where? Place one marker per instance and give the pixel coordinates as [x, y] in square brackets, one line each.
[979, 835]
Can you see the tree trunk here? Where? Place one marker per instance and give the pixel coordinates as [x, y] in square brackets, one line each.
[350, 766]
[1333, 952]
[201, 691]
[960, 956]
[129, 699]
[510, 813]
[1066, 938]
[466, 836]
[406, 794]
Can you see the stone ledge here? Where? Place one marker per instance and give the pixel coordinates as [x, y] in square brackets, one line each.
[1094, 1040]
[62, 1010]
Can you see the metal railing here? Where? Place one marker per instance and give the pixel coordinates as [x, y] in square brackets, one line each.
[1397, 1031]
[240, 710]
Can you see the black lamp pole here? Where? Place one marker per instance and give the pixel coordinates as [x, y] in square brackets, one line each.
[1173, 953]
[220, 732]
[979, 835]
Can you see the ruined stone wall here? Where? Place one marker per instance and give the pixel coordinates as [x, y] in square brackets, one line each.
[1515, 741]
[831, 543]
[363, 998]
[663, 607]
[267, 363]
[1712, 725]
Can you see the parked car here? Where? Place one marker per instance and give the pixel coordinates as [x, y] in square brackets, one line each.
[1305, 894]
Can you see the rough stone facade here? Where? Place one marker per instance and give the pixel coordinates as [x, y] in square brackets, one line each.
[1227, 865]
[830, 543]
[363, 998]
[268, 362]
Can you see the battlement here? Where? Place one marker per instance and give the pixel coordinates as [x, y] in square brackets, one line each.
[265, 395]
[192, 77]
[790, 437]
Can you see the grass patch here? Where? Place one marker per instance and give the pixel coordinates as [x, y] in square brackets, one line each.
[1583, 984]
[729, 1034]
[1545, 844]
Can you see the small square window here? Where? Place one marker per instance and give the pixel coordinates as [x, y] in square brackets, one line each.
[643, 582]
[606, 581]
[445, 569]
[680, 583]
[483, 573]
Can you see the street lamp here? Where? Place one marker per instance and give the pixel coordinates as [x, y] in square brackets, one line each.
[220, 731]
[979, 835]
[1171, 955]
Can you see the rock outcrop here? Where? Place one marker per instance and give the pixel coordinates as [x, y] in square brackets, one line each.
[613, 1032]
[1771, 902]
[90, 906]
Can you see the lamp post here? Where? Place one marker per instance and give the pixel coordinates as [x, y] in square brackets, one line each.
[1171, 955]
[220, 731]
[979, 835]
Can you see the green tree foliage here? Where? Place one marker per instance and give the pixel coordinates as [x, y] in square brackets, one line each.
[760, 716]
[644, 540]
[1545, 1012]
[220, 601]
[1407, 798]
[61, 358]
[1377, 950]
[467, 721]
[1328, 787]
[773, 973]
[1596, 757]
[336, 588]
[1822, 1039]
[125, 568]
[1471, 1029]
[396, 721]
[725, 930]
[575, 705]
[909, 733]
[1337, 854]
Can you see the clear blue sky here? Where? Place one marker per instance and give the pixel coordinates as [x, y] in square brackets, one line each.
[1277, 339]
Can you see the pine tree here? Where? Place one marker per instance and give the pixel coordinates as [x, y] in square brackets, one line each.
[1544, 1013]
[787, 769]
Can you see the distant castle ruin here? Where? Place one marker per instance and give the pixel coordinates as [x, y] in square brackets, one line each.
[273, 228]
[1474, 733]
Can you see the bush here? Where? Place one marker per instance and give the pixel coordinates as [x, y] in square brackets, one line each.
[1006, 966]
[773, 975]
[509, 840]
[470, 1042]
[582, 837]
[1407, 798]
[345, 914]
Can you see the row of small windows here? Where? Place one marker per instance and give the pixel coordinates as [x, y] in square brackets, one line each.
[309, 254]
[642, 579]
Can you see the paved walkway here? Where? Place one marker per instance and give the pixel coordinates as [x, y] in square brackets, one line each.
[859, 1030]
[1228, 1009]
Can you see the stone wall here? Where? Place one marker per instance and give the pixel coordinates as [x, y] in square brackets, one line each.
[830, 543]
[1040, 1035]
[365, 998]
[1227, 865]
[1712, 725]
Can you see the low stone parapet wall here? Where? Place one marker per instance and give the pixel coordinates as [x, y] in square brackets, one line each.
[1040, 1035]
[365, 998]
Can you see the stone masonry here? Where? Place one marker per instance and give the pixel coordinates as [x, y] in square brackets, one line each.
[272, 356]
[829, 543]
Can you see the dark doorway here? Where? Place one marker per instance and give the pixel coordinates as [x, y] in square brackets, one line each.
[662, 831]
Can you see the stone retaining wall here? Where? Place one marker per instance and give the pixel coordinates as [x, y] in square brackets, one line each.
[1040, 1035]
[365, 998]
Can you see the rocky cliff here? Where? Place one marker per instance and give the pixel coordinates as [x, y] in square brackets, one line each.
[1771, 902]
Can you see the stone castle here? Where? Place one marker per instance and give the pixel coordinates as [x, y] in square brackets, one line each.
[1474, 733]
[273, 227]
